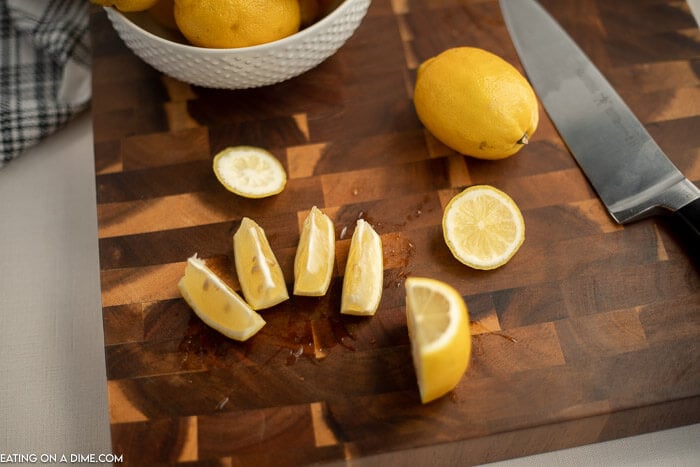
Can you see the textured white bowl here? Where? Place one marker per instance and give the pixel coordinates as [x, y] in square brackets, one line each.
[239, 68]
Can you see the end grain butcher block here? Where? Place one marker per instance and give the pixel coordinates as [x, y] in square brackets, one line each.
[591, 332]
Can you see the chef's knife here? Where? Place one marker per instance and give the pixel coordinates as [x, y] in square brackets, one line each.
[628, 170]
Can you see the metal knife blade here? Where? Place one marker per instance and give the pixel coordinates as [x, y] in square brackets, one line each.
[625, 166]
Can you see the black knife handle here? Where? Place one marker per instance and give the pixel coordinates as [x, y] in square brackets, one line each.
[687, 219]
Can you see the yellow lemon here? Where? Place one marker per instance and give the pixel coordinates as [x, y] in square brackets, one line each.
[476, 103]
[216, 303]
[163, 13]
[127, 5]
[364, 272]
[313, 263]
[259, 273]
[483, 227]
[310, 11]
[249, 171]
[236, 23]
[438, 328]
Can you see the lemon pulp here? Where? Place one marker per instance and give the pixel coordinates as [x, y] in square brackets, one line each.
[483, 227]
[219, 306]
[315, 256]
[249, 171]
[364, 272]
[259, 273]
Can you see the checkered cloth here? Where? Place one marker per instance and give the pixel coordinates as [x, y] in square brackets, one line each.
[44, 69]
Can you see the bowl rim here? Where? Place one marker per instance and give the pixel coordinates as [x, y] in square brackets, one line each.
[253, 48]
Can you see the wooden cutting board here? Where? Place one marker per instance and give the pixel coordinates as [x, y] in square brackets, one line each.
[590, 333]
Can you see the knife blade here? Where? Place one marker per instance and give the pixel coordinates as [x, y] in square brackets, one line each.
[630, 173]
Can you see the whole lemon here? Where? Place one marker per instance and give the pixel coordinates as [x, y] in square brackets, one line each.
[236, 23]
[127, 5]
[476, 103]
[163, 13]
[310, 11]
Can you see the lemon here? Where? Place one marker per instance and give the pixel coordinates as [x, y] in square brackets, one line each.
[313, 263]
[216, 303]
[163, 13]
[438, 328]
[249, 171]
[483, 227]
[127, 5]
[259, 273]
[309, 11]
[236, 23]
[475, 102]
[364, 272]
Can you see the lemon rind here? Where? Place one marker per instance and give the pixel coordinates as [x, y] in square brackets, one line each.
[257, 321]
[430, 391]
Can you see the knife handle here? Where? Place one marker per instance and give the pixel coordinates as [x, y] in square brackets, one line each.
[687, 220]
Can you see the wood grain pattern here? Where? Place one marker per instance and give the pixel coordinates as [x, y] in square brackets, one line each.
[590, 333]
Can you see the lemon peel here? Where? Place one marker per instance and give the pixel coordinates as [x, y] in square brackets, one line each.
[438, 329]
[249, 171]
[259, 273]
[236, 23]
[216, 304]
[476, 103]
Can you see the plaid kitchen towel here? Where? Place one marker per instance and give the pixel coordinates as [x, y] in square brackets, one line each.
[44, 69]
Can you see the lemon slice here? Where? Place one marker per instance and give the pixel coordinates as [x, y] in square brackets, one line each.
[364, 272]
[259, 273]
[438, 328]
[313, 263]
[250, 171]
[483, 227]
[216, 303]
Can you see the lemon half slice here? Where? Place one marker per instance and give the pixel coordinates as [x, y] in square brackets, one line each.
[313, 263]
[364, 272]
[249, 171]
[438, 328]
[216, 303]
[259, 273]
[483, 227]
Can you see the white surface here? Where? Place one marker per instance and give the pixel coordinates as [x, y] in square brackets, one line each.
[52, 375]
[695, 9]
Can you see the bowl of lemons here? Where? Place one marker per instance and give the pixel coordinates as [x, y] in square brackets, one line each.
[234, 44]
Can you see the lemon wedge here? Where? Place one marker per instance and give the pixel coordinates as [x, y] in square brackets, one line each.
[216, 303]
[313, 263]
[483, 227]
[364, 272]
[438, 328]
[259, 273]
[249, 171]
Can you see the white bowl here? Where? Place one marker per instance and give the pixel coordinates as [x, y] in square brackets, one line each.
[240, 68]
